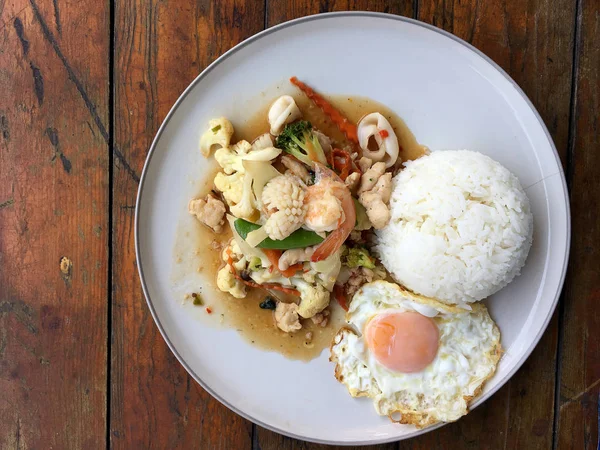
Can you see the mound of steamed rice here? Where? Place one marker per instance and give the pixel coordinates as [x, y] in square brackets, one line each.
[460, 227]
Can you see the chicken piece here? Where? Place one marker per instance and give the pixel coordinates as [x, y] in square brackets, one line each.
[364, 164]
[376, 201]
[286, 317]
[370, 177]
[293, 256]
[352, 181]
[283, 201]
[296, 168]
[209, 211]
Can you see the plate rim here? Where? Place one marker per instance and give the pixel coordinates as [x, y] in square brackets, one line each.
[291, 23]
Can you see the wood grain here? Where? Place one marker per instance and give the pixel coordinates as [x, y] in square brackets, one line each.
[533, 41]
[53, 207]
[159, 49]
[578, 420]
[281, 11]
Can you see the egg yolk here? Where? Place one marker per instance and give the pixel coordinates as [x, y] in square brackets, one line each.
[403, 342]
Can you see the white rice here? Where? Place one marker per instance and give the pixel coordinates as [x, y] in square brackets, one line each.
[461, 227]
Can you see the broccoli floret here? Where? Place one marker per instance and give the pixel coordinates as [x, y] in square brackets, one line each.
[298, 140]
[358, 257]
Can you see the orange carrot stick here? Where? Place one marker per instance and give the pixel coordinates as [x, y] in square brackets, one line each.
[347, 127]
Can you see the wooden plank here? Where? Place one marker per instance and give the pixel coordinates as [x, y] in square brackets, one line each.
[53, 223]
[159, 49]
[280, 11]
[578, 420]
[533, 42]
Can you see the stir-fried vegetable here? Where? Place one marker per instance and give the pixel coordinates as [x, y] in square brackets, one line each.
[254, 264]
[347, 127]
[298, 140]
[298, 239]
[358, 257]
[341, 161]
[274, 286]
[362, 220]
[274, 256]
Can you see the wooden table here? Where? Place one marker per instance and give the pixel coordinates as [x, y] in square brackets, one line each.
[84, 85]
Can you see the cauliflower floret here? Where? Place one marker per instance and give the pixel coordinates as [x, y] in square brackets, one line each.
[218, 135]
[286, 317]
[376, 201]
[233, 249]
[231, 158]
[262, 141]
[313, 299]
[226, 282]
[283, 111]
[246, 206]
[209, 211]
[283, 201]
[231, 186]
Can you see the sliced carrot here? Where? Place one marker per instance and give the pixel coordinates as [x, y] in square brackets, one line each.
[347, 127]
[384, 133]
[338, 294]
[342, 162]
[291, 271]
[274, 256]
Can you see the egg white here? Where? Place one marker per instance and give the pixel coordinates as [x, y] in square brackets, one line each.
[469, 350]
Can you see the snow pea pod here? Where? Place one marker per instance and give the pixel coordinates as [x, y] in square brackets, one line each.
[298, 239]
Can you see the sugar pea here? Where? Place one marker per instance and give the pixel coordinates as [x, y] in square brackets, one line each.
[298, 239]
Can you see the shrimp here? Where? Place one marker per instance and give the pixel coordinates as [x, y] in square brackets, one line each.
[328, 181]
[323, 208]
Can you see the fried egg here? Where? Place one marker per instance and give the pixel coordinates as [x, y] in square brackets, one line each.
[421, 361]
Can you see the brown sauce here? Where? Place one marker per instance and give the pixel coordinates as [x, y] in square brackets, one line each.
[254, 324]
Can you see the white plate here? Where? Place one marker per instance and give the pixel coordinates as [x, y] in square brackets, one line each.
[451, 96]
